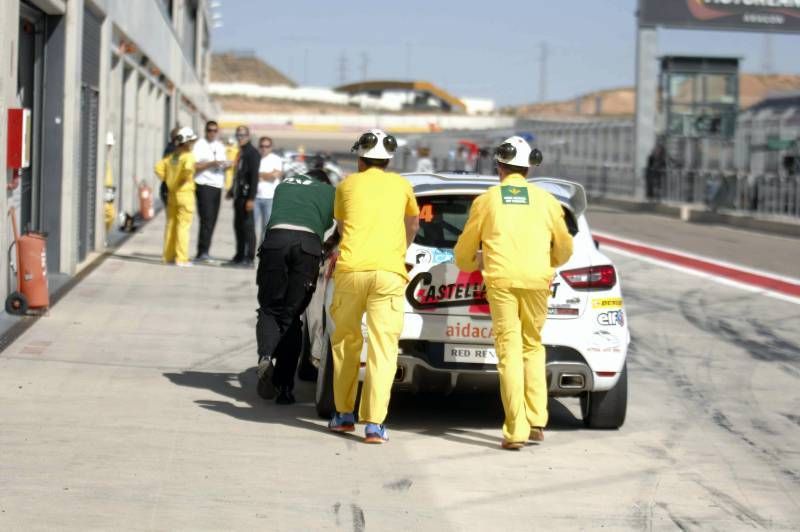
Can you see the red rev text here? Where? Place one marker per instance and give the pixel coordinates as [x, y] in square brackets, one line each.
[468, 330]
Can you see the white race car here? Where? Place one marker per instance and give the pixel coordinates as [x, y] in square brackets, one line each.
[447, 341]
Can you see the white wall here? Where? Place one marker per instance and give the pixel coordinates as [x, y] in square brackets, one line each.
[359, 122]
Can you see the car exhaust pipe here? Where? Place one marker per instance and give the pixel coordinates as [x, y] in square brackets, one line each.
[571, 381]
[400, 374]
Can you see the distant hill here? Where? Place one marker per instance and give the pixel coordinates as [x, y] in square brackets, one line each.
[621, 102]
[246, 67]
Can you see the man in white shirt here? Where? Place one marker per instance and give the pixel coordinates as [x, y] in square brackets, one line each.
[269, 176]
[209, 179]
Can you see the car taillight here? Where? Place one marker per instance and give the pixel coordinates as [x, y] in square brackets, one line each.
[593, 278]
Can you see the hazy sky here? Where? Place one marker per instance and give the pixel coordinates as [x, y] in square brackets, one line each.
[480, 49]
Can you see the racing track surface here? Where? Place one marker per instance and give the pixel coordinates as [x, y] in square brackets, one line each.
[133, 406]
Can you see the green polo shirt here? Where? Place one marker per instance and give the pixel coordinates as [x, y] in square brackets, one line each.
[303, 201]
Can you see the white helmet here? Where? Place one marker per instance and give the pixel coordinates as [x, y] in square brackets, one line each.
[375, 144]
[185, 134]
[516, 152]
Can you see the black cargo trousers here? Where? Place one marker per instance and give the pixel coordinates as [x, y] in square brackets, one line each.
[287, 277]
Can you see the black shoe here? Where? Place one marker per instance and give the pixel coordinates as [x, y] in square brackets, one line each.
[247, 264]
[285, 396]
[203, 257]
[266, 390]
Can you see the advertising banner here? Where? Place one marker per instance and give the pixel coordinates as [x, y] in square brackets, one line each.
[779, 16]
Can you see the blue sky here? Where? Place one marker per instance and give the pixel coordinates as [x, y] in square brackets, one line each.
[480, 49]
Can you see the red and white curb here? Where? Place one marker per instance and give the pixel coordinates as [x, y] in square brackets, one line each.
[753, 280]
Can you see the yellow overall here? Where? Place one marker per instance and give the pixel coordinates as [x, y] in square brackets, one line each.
[177, 170]
[370, 277]
[523, 236]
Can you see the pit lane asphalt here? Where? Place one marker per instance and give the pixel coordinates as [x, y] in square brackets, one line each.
[132, 406]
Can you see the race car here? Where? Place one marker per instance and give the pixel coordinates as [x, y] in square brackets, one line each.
[447, 341]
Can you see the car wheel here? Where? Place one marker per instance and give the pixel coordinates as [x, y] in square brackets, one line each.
[16, 304]
[324, 394]
[306, 371]
[606, 410]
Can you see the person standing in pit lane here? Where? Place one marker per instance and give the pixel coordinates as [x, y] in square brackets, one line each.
[287, 274]
[516, 234]
[377, 216]
[243, 193]
[270, 172]
[177, 171]
[209, 180]
[163, 193]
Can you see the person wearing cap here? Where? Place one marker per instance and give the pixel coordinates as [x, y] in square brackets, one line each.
[177, 170]
[516, 234]
[377, 217]
[290, 256]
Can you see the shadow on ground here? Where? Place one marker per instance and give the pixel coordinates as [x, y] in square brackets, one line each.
[457, 417]
[149, 258]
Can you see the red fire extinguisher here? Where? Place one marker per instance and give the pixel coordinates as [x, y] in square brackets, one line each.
[146, 209]
[32, 291]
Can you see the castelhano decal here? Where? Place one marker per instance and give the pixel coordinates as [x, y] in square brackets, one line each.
[443, 286]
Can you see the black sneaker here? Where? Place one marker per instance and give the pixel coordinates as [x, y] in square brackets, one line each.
[266, 390]
[285, 396]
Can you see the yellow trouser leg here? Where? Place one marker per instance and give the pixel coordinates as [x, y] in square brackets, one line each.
[170, 229]
[385, 313]
[533, 313]
[185, 208]
[507, 326]
[347, 309]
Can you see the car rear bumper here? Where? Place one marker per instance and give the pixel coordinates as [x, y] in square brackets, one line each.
[421, 367]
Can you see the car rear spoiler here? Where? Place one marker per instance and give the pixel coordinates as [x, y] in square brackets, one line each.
[571, 195]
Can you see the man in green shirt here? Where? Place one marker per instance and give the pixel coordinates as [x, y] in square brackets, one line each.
[302, 211]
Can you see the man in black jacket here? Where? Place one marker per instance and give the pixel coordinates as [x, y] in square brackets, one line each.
[243, 192]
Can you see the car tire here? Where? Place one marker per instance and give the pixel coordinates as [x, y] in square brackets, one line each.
[306, 371]
[606, 410]
[323, 397]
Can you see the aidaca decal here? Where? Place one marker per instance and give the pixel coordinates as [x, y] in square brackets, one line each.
[514, 195]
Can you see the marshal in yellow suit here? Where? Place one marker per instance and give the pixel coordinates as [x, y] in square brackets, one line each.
[521, 232]
[177, 170]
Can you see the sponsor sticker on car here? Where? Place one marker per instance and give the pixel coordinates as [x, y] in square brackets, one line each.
[611, 318]
[607, 303]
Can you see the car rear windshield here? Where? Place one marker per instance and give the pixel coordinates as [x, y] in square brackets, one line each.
[441, 219]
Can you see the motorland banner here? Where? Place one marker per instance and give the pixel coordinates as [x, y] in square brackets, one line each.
[780, 16]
